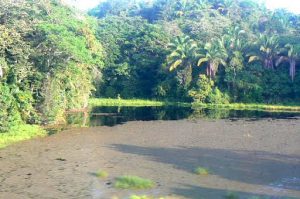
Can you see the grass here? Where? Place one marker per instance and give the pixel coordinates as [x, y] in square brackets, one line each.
[233, 106]
[21, 133]
[201, 171]
[101, 174]
[242, 106]
[133, 182]
[132, 102]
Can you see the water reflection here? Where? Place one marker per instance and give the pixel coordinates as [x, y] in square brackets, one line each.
[110, 116]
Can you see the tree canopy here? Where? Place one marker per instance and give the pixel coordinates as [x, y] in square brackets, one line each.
[53, 58]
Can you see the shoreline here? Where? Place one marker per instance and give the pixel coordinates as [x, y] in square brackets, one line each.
[231, 106]
[26, 131]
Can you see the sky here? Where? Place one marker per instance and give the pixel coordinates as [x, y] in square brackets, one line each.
[291, 5]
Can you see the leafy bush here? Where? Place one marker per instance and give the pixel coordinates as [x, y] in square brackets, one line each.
[217, 97]
[205, 93]
[9, 113]
[203, 89]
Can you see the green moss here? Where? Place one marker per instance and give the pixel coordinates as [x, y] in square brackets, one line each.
[133, 182]
[20, 133]
[201, 171]
[101, 174]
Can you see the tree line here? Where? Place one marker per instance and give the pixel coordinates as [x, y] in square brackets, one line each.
[53, 58]
[199, 50]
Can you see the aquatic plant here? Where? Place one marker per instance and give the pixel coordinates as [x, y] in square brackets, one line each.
[101, 174]
[201, 171]
[133, 182]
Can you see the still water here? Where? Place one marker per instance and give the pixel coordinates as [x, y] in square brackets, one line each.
[111, 116]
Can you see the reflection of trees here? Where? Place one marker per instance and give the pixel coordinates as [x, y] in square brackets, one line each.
[160, 114]
[209, 113]
[81, 119]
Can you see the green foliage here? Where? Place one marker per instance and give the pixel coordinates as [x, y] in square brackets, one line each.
[236, 43]
[53, 58]
[48, 58]
[134, 53]
[101, 174]
[132, 102]
[133, 182]
[19, 133]
[203, 90]
[9, 114]
[241, 106]
[214, 54]
[183, 53]
[205, 93]
[201, 171]
[217, 97]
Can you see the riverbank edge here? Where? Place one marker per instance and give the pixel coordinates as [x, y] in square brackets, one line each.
[232, 106]
[25, 131]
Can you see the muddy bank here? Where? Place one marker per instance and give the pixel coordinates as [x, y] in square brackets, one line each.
[246, 157]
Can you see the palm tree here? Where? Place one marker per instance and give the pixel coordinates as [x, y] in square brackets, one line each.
[225, 6]
[234, 42]
[268, 51]
[293, 54]
[183, 54]
[214, 54]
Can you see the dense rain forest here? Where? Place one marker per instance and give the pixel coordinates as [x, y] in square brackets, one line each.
[53, 57]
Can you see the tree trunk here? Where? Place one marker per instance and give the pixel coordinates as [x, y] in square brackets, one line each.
[292, 68]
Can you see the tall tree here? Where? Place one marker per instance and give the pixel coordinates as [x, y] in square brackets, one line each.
[293, 53]
[268, 50]
[214, 55]
[183, 54]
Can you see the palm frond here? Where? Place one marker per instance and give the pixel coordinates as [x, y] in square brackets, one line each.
[202, 60]
[253, 58]
[175, 64]
[280, 60]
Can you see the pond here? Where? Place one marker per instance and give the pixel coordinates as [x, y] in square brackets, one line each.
[111, 116]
